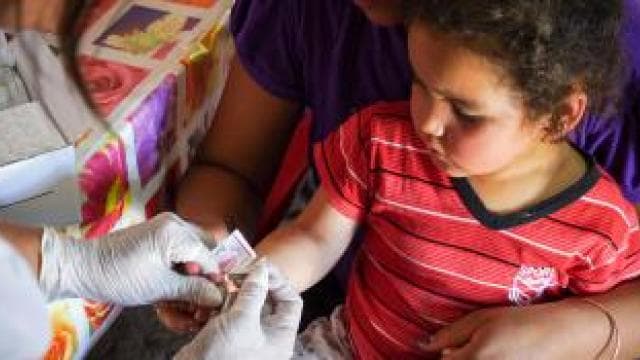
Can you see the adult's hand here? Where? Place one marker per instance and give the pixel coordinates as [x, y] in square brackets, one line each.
[570, 329]
[132, 266]
[253, 327]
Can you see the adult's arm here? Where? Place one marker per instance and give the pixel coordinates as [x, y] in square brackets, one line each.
[24, 330]
[239, 156]
[25, 240]
[131, 266]
[567, 329]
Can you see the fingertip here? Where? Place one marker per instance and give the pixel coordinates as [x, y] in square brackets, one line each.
[253, 291]
[192, 268]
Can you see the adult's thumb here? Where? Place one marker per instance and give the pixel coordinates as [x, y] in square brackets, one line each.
[253, 291]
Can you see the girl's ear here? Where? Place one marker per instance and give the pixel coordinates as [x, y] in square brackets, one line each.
[570, 111]
[566, 116]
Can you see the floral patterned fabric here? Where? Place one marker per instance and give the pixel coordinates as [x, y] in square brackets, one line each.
[155, 71]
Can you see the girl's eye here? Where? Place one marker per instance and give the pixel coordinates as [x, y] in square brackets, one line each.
[466, 118]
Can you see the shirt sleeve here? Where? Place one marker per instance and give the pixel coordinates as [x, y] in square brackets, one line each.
[267, 35]
[343, 164]
[611, 264]
[24, 329]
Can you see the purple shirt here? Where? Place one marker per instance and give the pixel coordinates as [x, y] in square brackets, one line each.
[326, 55]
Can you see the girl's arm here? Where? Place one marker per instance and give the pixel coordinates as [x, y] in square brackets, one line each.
[308, 248]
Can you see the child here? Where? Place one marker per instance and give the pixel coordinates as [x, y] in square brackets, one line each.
[469, 197]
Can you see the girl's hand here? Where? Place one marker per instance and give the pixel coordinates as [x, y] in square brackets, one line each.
[181, 316]
[570, 329]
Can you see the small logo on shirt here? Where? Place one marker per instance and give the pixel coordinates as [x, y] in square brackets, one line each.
[530, 283]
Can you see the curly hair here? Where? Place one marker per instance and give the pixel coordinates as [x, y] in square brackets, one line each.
[546, 46]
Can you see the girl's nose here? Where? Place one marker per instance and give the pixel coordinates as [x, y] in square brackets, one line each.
[435, 128]
[433, 120]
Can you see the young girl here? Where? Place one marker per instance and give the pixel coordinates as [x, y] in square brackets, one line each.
[469, 197]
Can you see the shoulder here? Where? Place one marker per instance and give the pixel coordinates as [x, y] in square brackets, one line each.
[607, 195]
[385, 131]
[382, 121]
[605, 210]
[385, 115]
[387, 122]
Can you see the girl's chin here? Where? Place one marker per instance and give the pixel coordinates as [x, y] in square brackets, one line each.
[447, 168]
[454, 173]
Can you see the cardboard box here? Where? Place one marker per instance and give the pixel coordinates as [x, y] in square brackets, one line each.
[38, 177]
[37, 168]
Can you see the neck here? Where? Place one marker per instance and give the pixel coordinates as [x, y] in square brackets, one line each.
[546, 171]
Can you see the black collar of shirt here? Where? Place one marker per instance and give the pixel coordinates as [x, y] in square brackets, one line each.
[530, 214]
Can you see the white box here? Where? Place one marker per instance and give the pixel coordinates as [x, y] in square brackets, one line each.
[38, 176]
[38, 183]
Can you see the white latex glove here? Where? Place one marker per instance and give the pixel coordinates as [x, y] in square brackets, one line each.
[129, 267]
[249, 330]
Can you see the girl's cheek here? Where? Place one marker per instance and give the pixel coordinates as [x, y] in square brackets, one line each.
[461, 146]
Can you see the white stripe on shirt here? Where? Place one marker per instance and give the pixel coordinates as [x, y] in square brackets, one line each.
[610, 206]
[439, 270]
[353, 174]
[569, 254]
[398, 145]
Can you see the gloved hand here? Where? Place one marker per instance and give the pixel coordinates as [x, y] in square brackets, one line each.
[132, 266]
[250, 328]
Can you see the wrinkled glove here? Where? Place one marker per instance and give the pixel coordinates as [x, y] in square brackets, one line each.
[130, 267]
[252, 328]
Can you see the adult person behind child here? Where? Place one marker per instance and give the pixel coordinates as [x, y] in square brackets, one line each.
[334, 57]
[133, 266]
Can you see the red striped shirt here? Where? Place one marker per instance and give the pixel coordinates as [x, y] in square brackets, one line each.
[432, 253]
